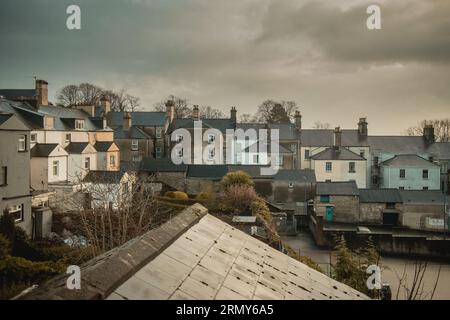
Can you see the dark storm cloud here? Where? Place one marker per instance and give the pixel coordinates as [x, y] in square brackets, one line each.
[240, 52]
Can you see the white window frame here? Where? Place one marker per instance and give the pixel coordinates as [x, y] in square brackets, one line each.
[328, 166]
[17, 208]
[22, 143]
[87, 161]
[79, 124]
[135, 145]
[55, 165]
[33, 137]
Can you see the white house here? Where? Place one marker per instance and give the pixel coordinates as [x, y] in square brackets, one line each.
[81, 159]
[48, 165]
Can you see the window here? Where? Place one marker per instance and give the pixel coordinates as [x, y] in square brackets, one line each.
[158, 152]
[325, 199]
[134, 145]
[17, 212]
[22, 142]
[375, 160]
[68, 138]
[211, 153]
[158, 132]
[425, 188]
[33, 138]
[55, 167]
[425, 174]
[112, 160]
[307, 155]
[256, 158]
[362, 153]
[79, 124]
[328, 167]
[211, 138]
[402, 173]
[4, 176]
[351, 167]
[87, 163]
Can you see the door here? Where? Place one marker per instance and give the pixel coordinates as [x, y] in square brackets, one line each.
[390, 218]
[329, 214]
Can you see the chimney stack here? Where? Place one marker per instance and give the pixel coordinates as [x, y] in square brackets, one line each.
[298, 120]
[337, 138]
[170, 110]
[428, 133]
[362, 127]
[42, 92]
[233, 115]
[106, 105]
[196, 113]
[126, 121]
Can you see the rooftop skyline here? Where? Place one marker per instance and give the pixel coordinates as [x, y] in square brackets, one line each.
[239, 53]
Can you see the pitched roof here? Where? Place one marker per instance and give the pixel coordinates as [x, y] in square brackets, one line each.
[408, 160]
[4, 117]
[380, 196]
[76, 147]
[325, 138]
[133, 133]
[296, 175]
[205, 171]
[337, 154]
[188, 123]
[43, 149]
[17, 93]
[103, 146]
[161, 165]
[423, 196]
[399, 144]
[346, 188]
[105, 177]
[138, 118]
[440, 150]
[213, 260]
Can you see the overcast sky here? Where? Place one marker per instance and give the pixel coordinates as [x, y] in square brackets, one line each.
[227, 53]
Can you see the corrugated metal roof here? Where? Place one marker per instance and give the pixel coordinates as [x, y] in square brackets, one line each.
[213, 260]
[380, 196]
[346, 188]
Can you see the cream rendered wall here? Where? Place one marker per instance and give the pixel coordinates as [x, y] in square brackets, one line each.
[53, 136]
[306, 163]
[340, 171]
[62, 172]
[76, 169]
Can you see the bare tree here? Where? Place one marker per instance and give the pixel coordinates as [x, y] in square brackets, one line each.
[414, 289]
[206, 112]
[245, 118]
[69, 95]
[441, 129]
[266, 111]
[89, 94]
[181, 106]
[122, 101]
[321, 125]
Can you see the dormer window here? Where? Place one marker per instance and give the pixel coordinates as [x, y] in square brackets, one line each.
[79, 124]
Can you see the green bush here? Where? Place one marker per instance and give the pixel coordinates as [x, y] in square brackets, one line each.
[176, 195]
[260, 208]
[236, 178]
[205, 196]
[5, 247]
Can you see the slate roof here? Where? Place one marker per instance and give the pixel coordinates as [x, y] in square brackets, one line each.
[399, 144]
[104, 177]
[76, 147]
[17, 93]
[188, 123]
[440, 150]
[43, 149]
[325, 138]
[408, 160]
[346, 188]
[4, 117]
[296, 175]
[215, 172]
[138, 118]
[337, 154]
[213, 260]
[380, 196]
[253, 171]
[423, 197]
[133, 133]
[103, 146]
[161, 165]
